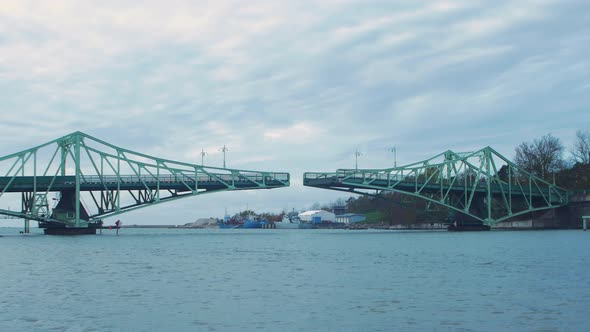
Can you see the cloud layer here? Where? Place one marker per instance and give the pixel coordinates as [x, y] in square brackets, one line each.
[293, 85]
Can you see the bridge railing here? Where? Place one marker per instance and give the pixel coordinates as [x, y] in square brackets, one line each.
[319, 175]
[168, 178]
[390, 178]
[361, 175]
[367, 175]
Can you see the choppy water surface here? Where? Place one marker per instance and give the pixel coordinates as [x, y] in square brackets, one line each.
[295, 280]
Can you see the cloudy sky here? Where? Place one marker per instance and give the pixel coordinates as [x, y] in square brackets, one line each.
[292, 85]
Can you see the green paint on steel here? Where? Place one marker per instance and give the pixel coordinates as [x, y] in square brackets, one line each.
[462, 182]
[109, 180]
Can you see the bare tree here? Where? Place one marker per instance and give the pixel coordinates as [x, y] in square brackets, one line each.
[541, 157]
[581, 150]
[338, 202]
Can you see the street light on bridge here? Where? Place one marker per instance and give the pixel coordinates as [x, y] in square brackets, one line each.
[224, 150]
[357, 154]
[203, 154]
[394, 150]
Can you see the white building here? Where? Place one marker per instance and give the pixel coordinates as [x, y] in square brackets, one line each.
[317, 216]
[348, 218]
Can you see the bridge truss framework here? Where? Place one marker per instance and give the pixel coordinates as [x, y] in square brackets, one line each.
[470, 183]
[91, 179]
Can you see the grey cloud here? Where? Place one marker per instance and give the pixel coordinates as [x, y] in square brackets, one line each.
[359, 75]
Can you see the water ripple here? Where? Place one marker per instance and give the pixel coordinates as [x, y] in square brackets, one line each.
[269, 280]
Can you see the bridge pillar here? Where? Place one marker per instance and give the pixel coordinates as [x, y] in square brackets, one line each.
[27, 226]
[67, 207]
[66, 212]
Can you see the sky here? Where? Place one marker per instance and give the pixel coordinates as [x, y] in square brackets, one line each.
[292, 85]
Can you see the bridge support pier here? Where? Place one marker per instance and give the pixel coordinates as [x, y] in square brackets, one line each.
[72, 222]
[460, 222]
[27, 226]
[459, 226]
[70, 231]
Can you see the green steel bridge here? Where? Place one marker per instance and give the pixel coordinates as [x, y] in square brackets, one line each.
[469, 183]
[91, 179]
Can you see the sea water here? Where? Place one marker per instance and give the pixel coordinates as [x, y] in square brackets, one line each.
[295, 280]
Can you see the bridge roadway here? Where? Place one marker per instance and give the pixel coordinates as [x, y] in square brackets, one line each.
[180, 183]
[351, 181]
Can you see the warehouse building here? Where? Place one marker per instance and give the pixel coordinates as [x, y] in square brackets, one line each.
[317, 216]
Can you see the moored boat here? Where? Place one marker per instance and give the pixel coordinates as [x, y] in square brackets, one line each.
[292, 221]
[229, 222]
[254, 223]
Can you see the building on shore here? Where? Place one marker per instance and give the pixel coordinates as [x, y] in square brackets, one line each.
[349, 218]
[317, 216]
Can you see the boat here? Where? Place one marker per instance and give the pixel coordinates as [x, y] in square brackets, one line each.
[291, 220]
[287, 225]
[254, 223]
[229, 222]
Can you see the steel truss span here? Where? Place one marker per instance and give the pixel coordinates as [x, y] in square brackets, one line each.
[483, 184]
[107, 180]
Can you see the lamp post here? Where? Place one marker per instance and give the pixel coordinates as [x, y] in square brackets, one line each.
[203, 154]
[224, 150]
[394, 150]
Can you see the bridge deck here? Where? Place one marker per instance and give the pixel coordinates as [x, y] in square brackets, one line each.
[334, 180]
[132, 182]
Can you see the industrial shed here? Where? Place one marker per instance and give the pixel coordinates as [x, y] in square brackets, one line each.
[317, 216]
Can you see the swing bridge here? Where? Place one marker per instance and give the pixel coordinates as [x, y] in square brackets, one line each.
[91, 179]
[483, 185]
